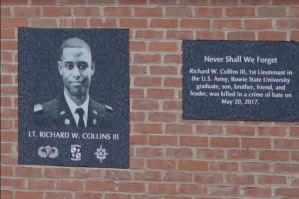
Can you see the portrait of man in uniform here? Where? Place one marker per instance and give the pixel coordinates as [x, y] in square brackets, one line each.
[74, 106]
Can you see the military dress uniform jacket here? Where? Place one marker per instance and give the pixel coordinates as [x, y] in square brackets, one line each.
[56, 113]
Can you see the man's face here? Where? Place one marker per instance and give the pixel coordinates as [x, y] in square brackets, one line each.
[76, 69]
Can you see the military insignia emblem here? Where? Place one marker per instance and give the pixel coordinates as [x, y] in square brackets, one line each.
[76, 152]
[101, 153]
[47, 152]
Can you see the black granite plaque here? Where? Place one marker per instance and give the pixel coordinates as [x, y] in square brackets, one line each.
[241, 80]
[74, 97]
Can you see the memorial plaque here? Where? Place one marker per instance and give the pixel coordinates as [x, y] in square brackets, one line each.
[74, 97]
[241, 80]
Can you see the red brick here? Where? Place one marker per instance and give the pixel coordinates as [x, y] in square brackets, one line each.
[87, 173]
[272, 180]
[294, 131]
[195, 23]
[172, 105]
[86, 11]
[56, 11]
[148, 128]
[9, 45]
[43, 2]
[179, 152]
[117, 11]
[295, 156]
[226, 24]
[138, 70]
[138, 139]
[255, 2]
[223, 142]
[159, 188]
[6, 148]
[209, 178]
[240, 179]
[162, 117]
[209, 129]
[258, 191]
[285, 2]
[240, 130]
[28, 194]
[178, 12]
[286, 168]
[13, 183]
[6, 170]
[226, 2]
[284, 24]
[272, 131]
[6, 56]
[132, 1]
[225, 190]
[173, 82]
[9, 112]
[13, 22]
[272, 11]
[160, 93]
[192, 165]
[6, 79]
[5, 102]
[77, 22]
[147, 58]
[241, 35]
[255, 167]
[173, 58]
[264, 143]
[192, 189]
[43, 22]
[163, 47]
[286, 144]
[27, 11]
[177, 176]
[160, 164]
[274, 36]
[274, 155]
[211, 35]
[28, 172]
[90, 196]
[164, 23]
[240, 11]
[41, 184]
[294, 12]
[5, 194]
[178, 128]
[137, 46]
[148, 34]
[294, 35]
[14, 2]
[223, 166]
[6, 124]
[179, 34]
[163, 140]
[70, 185]
[59, 195]
[163, 70]
[147, 81]
[148, 152]
[56, 172]
[148, 12]
[208, 12]
[6, 11]
[193, 141]
[136, 93]
[210, 153]
[240, 155]
[104, 23]
[137, 116]
[143, 104]
[8, 33]
[147, 176]
[288, 192]
[254, 24]
[133, 23]
[92, 185]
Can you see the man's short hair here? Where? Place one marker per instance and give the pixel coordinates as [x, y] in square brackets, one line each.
[74, 42]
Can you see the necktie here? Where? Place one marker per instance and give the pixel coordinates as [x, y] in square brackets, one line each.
[80, 112]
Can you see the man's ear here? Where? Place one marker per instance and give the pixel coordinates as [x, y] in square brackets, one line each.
[59, 63]
[92, 67]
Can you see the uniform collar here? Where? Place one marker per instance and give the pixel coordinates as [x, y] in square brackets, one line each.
[72, 106]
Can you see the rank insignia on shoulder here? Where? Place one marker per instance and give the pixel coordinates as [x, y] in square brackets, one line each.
[108, 108]
[95, 112]
[62, 113]
[37, 108]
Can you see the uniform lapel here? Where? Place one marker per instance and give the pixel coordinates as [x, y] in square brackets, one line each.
[64, 117]
[94, 118]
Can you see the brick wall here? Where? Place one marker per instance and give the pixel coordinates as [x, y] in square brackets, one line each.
[170, 158]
